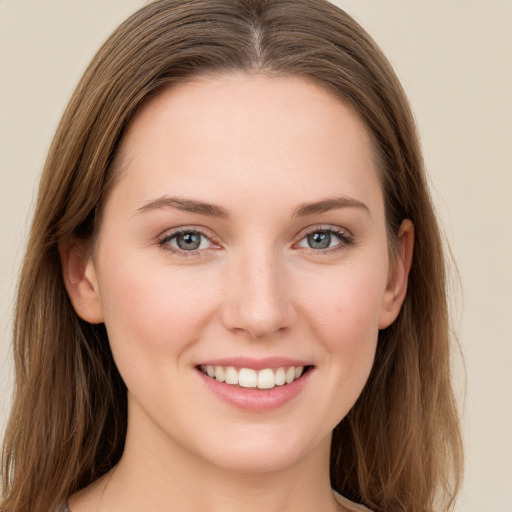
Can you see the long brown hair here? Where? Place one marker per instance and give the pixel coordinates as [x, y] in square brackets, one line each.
[399, 448]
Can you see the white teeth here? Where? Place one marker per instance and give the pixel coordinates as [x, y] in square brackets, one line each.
[247, 378]
[280, 377]
[267, 378]
[220, 374]
[231, 375]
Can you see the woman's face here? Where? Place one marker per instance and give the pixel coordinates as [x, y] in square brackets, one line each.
[245, 236]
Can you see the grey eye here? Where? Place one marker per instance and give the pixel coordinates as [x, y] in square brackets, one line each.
[189, 241]
[319, 240]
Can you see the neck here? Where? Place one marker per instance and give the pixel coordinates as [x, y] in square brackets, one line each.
[158, 474]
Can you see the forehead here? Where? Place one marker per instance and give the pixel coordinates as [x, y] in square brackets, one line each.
[259, 134]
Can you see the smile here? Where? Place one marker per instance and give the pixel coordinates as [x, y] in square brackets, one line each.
[266, 378]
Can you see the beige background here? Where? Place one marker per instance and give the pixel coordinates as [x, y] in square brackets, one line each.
[454, 58]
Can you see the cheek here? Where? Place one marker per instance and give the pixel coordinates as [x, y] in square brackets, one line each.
[347, 300]
[152, 309]
[344, 316]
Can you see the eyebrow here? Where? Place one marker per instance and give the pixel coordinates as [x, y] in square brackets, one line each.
[185, 205]
[212, 210]
[325, 205]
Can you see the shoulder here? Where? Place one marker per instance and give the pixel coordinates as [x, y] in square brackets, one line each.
[350, 505]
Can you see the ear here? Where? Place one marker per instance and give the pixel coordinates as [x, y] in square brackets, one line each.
[81, 282]
[396, 288]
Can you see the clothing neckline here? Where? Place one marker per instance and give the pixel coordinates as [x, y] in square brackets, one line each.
[350, 505]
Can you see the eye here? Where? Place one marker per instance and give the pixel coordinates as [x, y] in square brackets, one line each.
[186, 240]
[322, 239]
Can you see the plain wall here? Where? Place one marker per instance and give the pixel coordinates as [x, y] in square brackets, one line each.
[454, 58]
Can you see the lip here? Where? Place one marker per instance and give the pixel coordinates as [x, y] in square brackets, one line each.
[256, 400]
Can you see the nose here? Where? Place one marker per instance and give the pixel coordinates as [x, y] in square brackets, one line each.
[258, 301]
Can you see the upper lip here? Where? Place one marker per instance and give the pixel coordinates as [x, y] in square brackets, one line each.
[256, 364]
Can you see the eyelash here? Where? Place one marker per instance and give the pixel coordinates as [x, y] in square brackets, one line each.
[164, 242]
[345, 240]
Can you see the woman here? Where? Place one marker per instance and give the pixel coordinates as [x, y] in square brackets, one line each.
[220, 304]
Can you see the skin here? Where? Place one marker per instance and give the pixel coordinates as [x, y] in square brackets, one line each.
[259, 147]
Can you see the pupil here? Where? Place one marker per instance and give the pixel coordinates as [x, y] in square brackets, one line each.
[319, 240]
[189, 241]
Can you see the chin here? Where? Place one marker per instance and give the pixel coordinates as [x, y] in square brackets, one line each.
[246, 461]
[264, 454]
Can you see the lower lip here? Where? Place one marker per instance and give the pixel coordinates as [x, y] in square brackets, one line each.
[252, 399]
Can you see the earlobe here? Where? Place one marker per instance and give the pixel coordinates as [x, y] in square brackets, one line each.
[81, 282]
[398, 275]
